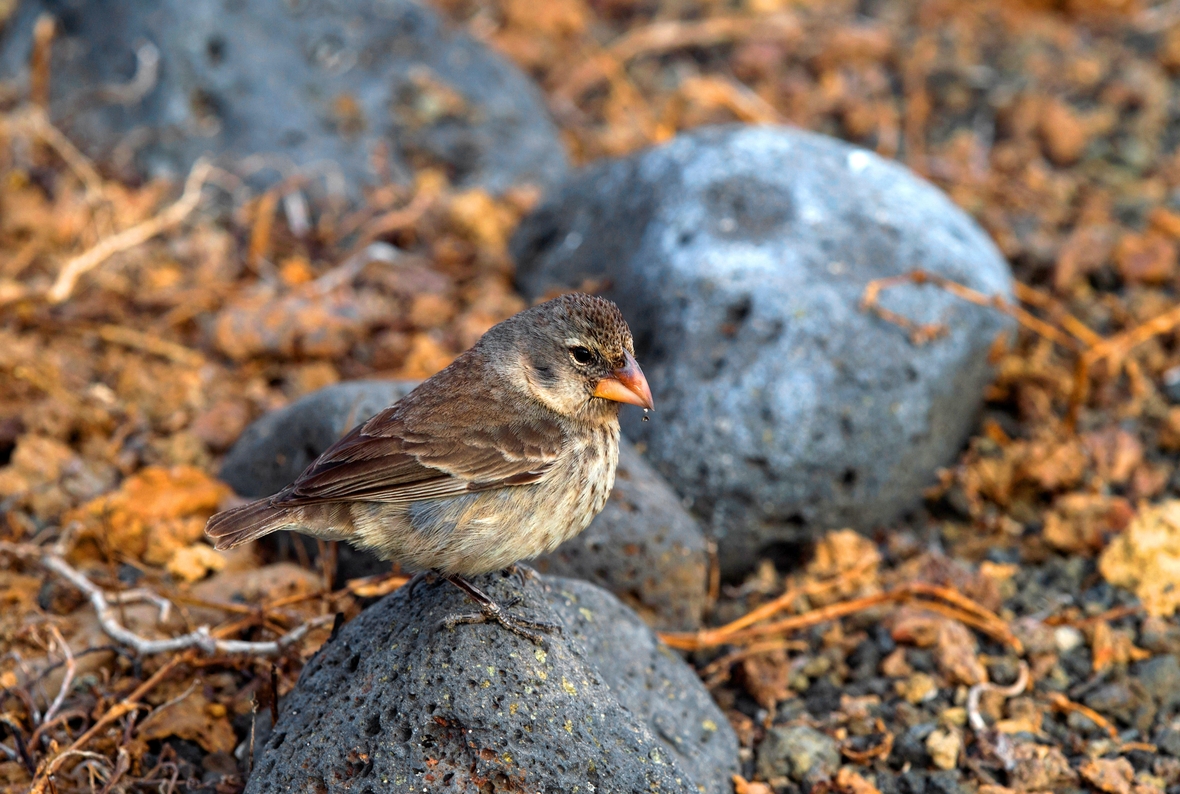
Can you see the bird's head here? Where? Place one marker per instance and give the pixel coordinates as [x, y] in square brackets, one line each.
[576, 357]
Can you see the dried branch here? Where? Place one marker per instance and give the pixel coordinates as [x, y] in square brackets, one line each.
[943, 600]
[716, 672]
[201, 639]
[39, 125]
[1073, 334]
[724, 634]
[881, 750]
[43, 778]
[156, 712]
[1064, 704]
[870, 301]
[67, 681]
[129, 238]
[137, 340]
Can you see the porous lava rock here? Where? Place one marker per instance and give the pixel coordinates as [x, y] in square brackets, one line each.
[740, 256]
[396, 702]
[364, 92]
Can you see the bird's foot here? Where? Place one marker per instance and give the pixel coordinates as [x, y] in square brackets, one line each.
[521, 627]
[491, 612]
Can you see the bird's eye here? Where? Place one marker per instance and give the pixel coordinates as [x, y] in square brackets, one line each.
[581, 355]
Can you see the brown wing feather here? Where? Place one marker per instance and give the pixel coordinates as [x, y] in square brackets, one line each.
[437, 441]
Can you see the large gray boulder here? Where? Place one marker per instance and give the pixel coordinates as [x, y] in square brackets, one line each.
[739, 256]
[644, 546]
[303, 82]
[395, 702]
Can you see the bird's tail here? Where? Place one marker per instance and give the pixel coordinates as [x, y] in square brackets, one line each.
[234, 527]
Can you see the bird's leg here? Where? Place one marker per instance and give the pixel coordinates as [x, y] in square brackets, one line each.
[489, 610]
[416, 580]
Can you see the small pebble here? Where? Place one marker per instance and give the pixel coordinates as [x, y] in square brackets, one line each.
[796, 752]
[1066, 638]
[956, 716]
[918, 688]
[1168, 740]
[1172, 384]
[944, 745]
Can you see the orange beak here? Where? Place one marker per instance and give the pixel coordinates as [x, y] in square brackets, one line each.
[626, 385]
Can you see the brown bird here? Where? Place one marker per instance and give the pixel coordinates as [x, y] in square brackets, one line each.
[500, 457]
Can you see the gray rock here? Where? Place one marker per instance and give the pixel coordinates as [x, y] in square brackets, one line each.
[1127, 701]
[644, 546]
[301, 82]
[1168, 739]
[1160, 676]
[739, 256]
[797, 752]
[395, 702]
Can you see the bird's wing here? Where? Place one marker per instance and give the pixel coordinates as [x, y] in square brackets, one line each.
[423, 449]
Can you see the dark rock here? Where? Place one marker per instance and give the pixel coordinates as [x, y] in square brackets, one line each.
[399, 703]
[1168, 740]
[911, 745]
[863, 660]
[301, 83]
[644, 547]
[797, 752]
[944, 782]
[1127, 701]
[1003, 671]
[739, 256]
[1160, 637]
[1160, 676]
[823, 697]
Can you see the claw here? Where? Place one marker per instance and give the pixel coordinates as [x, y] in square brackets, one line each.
[491, 611]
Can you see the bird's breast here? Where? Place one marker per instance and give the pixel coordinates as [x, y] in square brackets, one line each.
[487, 530]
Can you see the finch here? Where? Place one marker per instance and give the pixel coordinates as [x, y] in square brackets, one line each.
[498, 458]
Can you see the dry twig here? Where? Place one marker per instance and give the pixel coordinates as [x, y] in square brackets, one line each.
[939, 599]
[67, 681]
[39, 125]
[881, 750]
[1072, 335]
[129, 238]
[137, 340]
[43, 779]
[1064, 704]
[200, 639]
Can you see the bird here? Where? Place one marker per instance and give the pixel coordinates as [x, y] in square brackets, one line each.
[500, 457]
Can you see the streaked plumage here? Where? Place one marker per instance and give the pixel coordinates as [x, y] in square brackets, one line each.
[499, 457]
